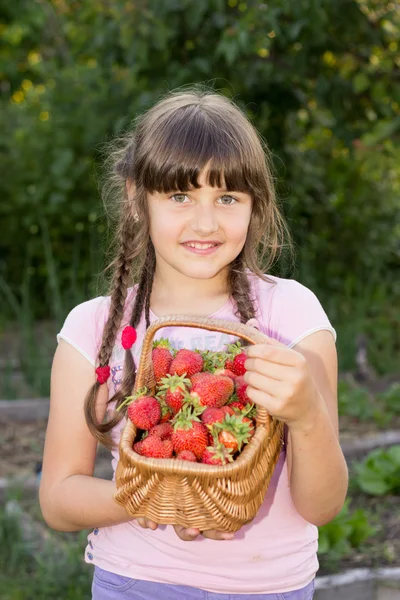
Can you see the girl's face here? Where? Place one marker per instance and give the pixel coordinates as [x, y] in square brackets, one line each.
[183, 226]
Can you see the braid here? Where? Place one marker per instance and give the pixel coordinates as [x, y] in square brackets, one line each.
[142, 300]
[240, 290]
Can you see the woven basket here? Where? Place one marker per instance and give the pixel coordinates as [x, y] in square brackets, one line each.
[170, 491]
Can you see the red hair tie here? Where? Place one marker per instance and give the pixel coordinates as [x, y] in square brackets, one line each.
[103, 373]
[128, 337]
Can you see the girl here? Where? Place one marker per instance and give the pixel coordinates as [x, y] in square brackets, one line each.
[197, 219]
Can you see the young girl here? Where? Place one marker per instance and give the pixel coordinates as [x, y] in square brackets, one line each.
[197, 219]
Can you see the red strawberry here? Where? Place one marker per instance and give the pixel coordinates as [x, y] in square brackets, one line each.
[162, 358]
[189, 433]
[144, 411]
[236, 359]
[214, 390]
[186, 362]
[217, 455]
[251, 425]
[198, 377]
[238, 364]
[187, 455]
[162, 430]
[226, 372]
[166, 412]
[212, 415]
[241, 387]
[229, 440]
[176, 388]
[227, 409]
[153, 447]
[233, 432]
[238, 406]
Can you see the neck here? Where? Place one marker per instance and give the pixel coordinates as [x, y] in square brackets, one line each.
[183, 294]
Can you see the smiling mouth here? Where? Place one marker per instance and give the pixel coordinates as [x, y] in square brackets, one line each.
[201, 245]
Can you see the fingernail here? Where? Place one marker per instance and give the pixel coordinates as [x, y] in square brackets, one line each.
[192, 531]
[229, 536]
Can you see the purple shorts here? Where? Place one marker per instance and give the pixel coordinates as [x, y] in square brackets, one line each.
[108, 586]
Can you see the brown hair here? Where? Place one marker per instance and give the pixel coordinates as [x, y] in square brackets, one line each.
[169, 146]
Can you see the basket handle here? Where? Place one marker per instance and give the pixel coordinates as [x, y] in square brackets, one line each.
[145, 373]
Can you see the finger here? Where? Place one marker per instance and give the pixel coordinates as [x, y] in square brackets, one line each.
[276, 354]
[267, 385]
[261, 398]
[267, 368]
[214, 534]
[186, 534]
[147, 523]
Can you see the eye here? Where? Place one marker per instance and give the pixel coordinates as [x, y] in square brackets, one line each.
[178, 198]
[233, 200]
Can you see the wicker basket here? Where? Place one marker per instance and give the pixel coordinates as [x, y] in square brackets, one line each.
[170, 491]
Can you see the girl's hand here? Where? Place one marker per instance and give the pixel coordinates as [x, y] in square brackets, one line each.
[146, 523]
[280, 380]
[187, 534]
[191, 533]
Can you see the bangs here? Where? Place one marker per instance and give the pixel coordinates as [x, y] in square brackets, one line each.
[190, 140]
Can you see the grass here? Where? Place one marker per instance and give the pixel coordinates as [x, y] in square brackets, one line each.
[49, 572]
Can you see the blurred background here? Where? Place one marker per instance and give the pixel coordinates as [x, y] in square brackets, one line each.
[321, 82]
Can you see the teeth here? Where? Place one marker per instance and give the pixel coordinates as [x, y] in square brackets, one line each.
[200, 246]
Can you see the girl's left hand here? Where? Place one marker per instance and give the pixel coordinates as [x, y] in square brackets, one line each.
[279, 379]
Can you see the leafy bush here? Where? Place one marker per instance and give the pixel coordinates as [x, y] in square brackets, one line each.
[379, 473]
[357, 402]
[347, 531]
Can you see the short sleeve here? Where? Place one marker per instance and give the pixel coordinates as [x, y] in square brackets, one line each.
[83, 327]
[296, 312]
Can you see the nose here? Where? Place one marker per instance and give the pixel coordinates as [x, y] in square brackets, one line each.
[204, 220]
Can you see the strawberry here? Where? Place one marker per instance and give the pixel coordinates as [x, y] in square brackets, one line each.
[227, 409]
[251, 425]
[217, 455]
[198, 377]
[240, 388]
[214, 390]
[166, 412]
[189, 433]
[212, 415]
[186, 362]
[238, 406]
[153, 447]
[238, 364]
[162, 430]
[176, 388]
[233, 432]
[162, 358]
[226, 372]
[144, 411]
[236, 359]
[186, 455]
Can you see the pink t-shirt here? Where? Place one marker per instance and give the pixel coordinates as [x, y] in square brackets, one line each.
[277, 551]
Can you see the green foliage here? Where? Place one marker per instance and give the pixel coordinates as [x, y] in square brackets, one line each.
[319, 80]
[357, 402]
[347, 531]
[54, 572]
[379, 473]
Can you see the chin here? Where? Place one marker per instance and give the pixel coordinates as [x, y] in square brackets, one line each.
[204, 271]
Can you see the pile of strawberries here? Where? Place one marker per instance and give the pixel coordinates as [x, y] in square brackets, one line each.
[200, 411]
